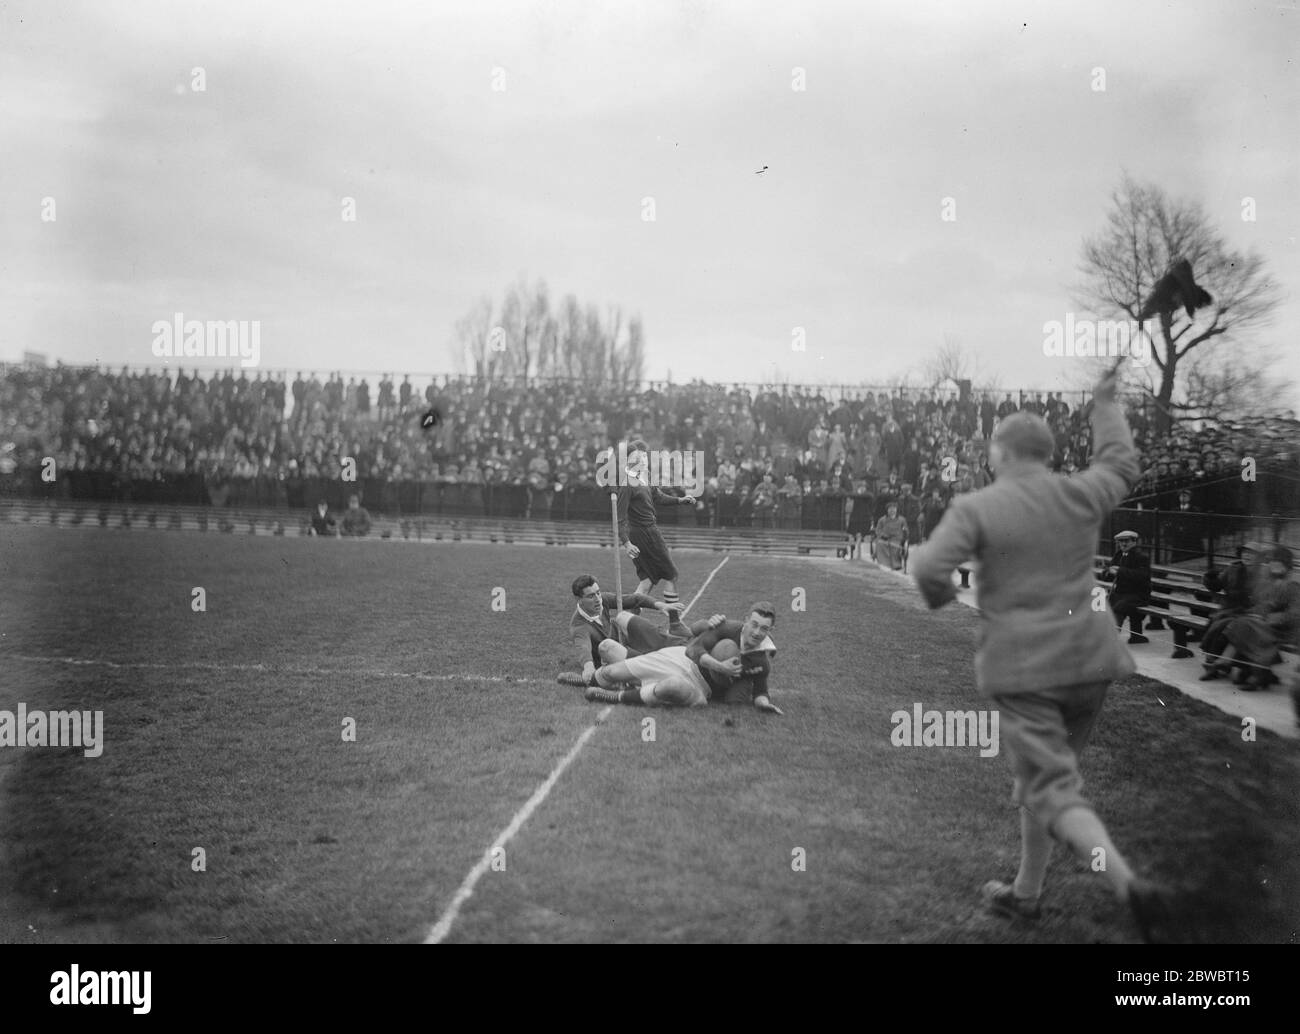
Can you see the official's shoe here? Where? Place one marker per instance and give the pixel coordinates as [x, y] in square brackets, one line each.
[603, 696]
[1153, 909]
[1001, 900]
[1181, 652]
[1135, 639]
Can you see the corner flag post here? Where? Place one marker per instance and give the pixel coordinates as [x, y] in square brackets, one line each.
[618, 564]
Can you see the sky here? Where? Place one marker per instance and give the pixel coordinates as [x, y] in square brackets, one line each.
[482, 142]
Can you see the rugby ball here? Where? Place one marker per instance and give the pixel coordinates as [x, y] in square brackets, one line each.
[725, 650]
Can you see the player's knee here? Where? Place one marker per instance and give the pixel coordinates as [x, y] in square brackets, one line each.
[612, 652]
[677, 692]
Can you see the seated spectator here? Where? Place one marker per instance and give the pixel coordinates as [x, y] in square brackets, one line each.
[789, 503]
[891, 538]
[1235, 583]
[763, 503]
[1274, 619]
[322, 521]
[1130, 570]
[356, 521]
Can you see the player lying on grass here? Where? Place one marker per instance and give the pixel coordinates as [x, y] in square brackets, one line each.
[638, 527]
[605, 635]
[723, 663]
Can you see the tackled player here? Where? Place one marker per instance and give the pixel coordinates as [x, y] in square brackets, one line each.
[703, 670]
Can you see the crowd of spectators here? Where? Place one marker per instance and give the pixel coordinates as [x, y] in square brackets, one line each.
[773, 456]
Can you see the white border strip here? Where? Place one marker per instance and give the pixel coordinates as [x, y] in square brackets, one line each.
[263, 669]
[443, 926]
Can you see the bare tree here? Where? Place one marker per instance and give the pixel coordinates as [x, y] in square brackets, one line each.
[569, 330]
[592, 358]
[951, 361]
[1220, 388]
[524, 315]
[634, 364]
[1145, 231]
[530, 340]
[471, 348]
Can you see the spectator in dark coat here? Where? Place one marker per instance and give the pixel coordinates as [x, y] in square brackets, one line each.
[1234, 582]
[932, 511]
[356, 521]
[909, 508]
[322, 521]
[987, 414]
[1130, 570]
[1274, 619]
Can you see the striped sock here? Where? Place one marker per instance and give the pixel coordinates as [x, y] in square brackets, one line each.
[670, 598]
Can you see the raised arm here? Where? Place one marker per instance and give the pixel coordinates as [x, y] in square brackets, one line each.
[1113, 469]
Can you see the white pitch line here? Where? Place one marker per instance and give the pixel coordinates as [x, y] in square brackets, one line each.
[443, 926]
[263, 668]
[705, 585]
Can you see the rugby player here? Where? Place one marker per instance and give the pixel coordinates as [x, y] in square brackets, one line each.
[598, 624]
[638, 528]
[690, 676]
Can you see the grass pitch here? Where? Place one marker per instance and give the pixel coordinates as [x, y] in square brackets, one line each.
[224, 731]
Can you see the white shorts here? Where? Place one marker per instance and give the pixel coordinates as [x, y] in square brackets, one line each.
[652, 668]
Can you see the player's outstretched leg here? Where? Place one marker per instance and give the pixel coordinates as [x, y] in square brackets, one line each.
[675, 691]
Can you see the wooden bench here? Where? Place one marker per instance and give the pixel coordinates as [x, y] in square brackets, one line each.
[1176, 592]
[1202, 605]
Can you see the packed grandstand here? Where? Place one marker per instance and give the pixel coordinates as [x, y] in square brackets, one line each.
[774, 456]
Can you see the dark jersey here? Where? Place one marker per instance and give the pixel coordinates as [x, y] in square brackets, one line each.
[755, 666]
[581, 626]
[636, 505]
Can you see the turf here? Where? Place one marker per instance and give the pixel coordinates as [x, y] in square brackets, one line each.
[224, 731]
